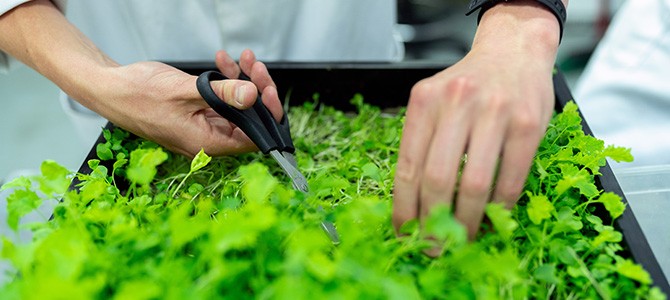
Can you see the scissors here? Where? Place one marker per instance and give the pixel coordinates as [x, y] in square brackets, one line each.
[270, 136]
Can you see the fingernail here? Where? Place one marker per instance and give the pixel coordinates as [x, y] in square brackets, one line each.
[240, 92]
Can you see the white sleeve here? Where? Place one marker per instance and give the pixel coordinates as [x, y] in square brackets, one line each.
[7, 5]
[7, 61]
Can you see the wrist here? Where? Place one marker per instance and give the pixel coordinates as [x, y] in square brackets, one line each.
[523, 27]
[556, 7]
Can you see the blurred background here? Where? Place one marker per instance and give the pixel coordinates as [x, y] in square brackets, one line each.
[35, 128]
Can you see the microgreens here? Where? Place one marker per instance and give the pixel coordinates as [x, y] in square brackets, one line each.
[149, 224]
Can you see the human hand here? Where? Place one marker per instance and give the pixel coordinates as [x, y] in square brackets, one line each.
[161, 103]
[493, 105]
[150, 99]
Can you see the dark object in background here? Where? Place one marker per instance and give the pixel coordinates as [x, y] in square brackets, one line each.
[428, 27]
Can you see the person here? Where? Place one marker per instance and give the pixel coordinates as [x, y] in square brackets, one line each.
[623, 91]
[624, 95]
[494, 104]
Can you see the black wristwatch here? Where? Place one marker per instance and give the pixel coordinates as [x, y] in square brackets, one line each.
[555, 6]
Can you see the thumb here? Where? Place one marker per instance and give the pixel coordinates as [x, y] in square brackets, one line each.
[240, 94]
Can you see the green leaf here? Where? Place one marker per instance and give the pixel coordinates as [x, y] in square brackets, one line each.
[120, 162]
[655, 293]
[328, 184]
[104, 151]
[92, 189]
[608, 234]
[587, 188]
[546, 273]
[20, 203]
[55, 178]
[619, 154]
[93, 163]
[442, 225]
[502, 219]
[567, 221]
[138, 289]
[200, 160]
[195, 188]
[633, 271]
[258, 182]
[574, 177]
[612, 203]
[143, 163]
[596, 221]
[409, 227]
[564, 253]
[371, 171]
[183, 228]
[8, 249]
[18, 182]
[539, 208]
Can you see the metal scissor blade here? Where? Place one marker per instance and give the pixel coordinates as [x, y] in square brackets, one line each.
[287, 162]
[299, 180]
[331, 231]
[290, 158]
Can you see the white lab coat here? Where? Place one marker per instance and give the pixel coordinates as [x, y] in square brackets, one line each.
[277, 30]
[624, 92]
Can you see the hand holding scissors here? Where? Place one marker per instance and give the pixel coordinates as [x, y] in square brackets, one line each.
[270, 136]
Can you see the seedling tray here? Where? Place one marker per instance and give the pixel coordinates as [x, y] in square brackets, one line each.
[388, 86]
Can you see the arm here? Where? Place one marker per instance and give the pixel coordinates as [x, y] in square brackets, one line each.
[494, 105]
[150, 99]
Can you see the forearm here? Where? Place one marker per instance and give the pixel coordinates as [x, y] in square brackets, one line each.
[38, 34]
[524, 27]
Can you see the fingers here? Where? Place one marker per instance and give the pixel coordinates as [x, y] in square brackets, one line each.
[259, 75]
[518, 151]
[417, 132]
[237, 93]
[256, 70]
[486, 139]
[434, 139]
[446, 119]
[446, 149]
[270, 98]
[227, 65]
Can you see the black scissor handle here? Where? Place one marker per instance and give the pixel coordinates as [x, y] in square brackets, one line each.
[256, 122]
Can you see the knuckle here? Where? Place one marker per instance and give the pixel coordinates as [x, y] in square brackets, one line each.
[460, 85]
[527, 122]
[435, 179]
[459, 91]
[258, 70]
[498, 104]
[475, 186]
[406, 170]
[456, 91]
[421, 93]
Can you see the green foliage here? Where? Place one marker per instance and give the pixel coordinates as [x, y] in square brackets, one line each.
[143, 162]
[147, 224]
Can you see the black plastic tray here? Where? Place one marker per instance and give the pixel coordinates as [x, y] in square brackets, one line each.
[389, 85]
